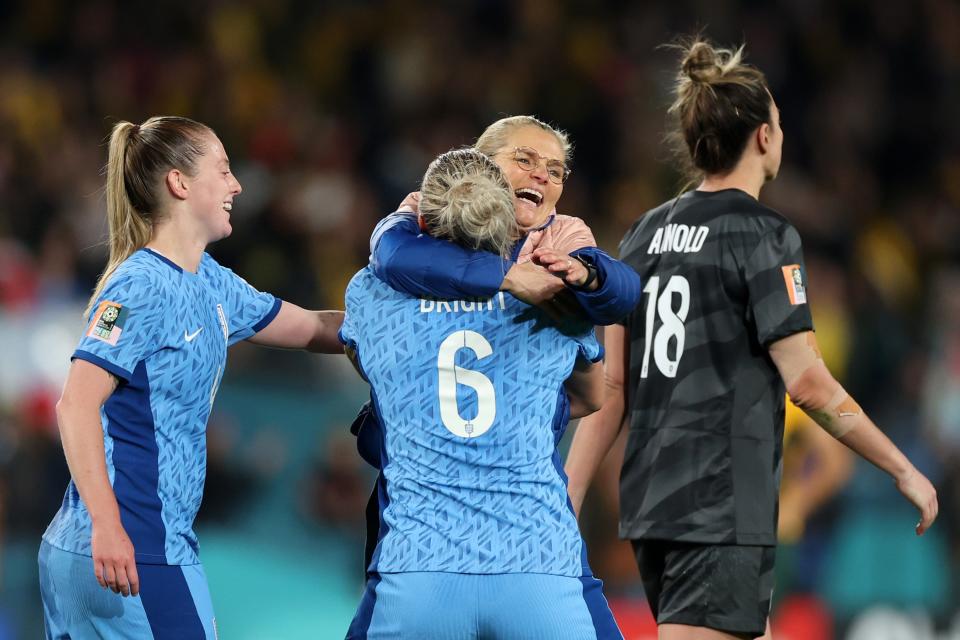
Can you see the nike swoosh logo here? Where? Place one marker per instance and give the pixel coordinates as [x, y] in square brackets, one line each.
[189, 338]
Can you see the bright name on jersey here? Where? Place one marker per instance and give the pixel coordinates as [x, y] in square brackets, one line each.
[679, 238]
[429, 305]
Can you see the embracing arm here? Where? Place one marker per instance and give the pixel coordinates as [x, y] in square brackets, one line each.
[607, 294]
[81, 432]
[814, 389]
[618, 290]
[297, 328]
[421, 265]
[596, 434]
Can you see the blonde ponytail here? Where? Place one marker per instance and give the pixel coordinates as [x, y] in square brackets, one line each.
[138, 158]
[128, 231]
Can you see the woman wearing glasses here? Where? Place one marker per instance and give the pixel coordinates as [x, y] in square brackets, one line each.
[535, 158]
[555, 263]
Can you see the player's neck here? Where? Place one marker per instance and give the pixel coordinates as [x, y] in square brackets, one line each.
[177, 245]
[746, 176]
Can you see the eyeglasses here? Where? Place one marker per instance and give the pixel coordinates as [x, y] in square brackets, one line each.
[528, 159]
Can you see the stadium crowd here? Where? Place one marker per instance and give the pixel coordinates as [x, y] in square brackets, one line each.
[333, 110]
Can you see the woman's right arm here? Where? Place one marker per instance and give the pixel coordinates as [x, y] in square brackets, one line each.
[596, 433]
[814, 389]
[423, 266]
[81, 431]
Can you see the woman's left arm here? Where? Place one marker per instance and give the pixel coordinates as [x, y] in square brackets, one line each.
[607, 294]
[618, 292]
[298, 328]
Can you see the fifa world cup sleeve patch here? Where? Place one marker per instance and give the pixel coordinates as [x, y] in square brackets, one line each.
[107, 323]
[793, 278]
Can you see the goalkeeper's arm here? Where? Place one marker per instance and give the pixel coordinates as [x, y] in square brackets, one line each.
[814, 389]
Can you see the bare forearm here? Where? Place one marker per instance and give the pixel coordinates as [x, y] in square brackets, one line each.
[298, 328]
[82, 435]
[813, 389]
[865, 439]
[326, 327]
[592, 441]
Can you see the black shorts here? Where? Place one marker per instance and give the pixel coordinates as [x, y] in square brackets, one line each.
[722, 587]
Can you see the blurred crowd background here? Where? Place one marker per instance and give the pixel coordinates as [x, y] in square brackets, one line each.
[330, 112]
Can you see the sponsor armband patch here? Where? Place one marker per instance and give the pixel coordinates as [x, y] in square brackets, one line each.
[108, 321]
[796, 289]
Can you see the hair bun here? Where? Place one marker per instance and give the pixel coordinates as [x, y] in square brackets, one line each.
[701, 63]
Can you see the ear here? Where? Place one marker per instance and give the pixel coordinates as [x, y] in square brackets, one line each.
[177, 184]
[763, 138]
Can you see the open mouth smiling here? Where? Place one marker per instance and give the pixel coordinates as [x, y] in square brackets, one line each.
[529, 195]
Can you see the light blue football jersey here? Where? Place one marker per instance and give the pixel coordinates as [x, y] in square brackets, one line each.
[470, 395]
[164, 332]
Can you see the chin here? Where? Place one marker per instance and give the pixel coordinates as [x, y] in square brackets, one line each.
[222, 233]
[531, 219]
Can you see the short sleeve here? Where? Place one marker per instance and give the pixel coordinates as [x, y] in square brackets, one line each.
[588, 347]
[348, 330]
[776, 282]
[248, 310]
[126, 323]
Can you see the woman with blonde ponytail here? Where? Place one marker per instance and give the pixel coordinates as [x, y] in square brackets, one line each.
[135, 405]
[473, 396]
[699, 370]
[128, 231]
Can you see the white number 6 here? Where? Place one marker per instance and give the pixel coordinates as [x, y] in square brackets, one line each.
[451, 375]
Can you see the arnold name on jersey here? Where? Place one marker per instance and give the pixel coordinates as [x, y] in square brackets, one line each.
[679, 238]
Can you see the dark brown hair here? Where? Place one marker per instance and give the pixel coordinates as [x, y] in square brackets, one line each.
[718, 102]
[139, 157]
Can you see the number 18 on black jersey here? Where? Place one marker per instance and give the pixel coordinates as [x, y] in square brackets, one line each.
[723, 278]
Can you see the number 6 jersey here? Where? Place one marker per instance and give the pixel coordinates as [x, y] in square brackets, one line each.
[724, 278]
[470, 395]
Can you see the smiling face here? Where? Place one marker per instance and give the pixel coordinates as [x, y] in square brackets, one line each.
[535, 196]
[212, 190]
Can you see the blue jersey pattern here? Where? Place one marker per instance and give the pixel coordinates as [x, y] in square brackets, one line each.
[169, 355]
[470, 395]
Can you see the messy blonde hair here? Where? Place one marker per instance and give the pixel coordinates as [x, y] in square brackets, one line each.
[466, 199]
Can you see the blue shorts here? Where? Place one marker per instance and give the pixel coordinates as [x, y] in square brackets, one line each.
[174, 601]
[508, 606]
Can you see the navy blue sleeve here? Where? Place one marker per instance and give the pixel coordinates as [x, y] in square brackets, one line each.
[420, 265]
[619, 290]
